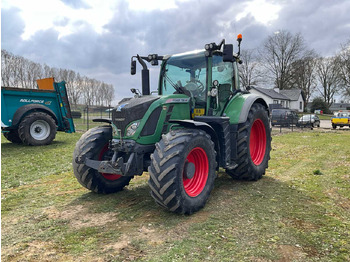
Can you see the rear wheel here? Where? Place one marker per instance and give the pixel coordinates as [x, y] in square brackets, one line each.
[182, 171]
[13, 136]
[253, 145]
[94, 145]
[37, 129]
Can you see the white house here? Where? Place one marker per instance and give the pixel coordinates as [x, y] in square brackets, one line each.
[292, 99]
[296, 97]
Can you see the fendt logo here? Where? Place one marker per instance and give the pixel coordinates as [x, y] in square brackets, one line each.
[24, 100]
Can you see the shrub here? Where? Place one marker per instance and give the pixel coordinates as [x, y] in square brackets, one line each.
[76, 114]
[319, 104]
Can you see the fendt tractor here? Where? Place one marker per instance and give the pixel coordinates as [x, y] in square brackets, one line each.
[199, 121]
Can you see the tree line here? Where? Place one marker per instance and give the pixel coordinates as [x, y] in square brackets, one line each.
[286, 62]
[17, 71]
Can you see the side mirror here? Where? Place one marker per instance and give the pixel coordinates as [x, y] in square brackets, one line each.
[133, 67]
[227, 54]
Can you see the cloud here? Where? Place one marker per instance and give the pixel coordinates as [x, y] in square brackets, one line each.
[105, 54]
[76, 4]
[12, 27]
[323, 24]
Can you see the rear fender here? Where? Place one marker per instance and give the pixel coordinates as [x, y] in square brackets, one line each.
[238, 108]
[248, 104]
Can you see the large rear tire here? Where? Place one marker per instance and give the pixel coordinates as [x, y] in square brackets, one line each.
[37, 129]
[182, 171]
[94, 145]
[13, 136]
[253, 145]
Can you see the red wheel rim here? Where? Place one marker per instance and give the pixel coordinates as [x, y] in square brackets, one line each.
[196, 184]
[257, 144]
[102, 156]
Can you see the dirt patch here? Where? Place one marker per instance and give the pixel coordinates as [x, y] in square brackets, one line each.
[122, 243]
[80, 217]
[301, 224]
[34, 251]
[290, 253]
[339, 200]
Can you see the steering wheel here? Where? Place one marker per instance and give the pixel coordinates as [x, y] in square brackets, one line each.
[196, 87]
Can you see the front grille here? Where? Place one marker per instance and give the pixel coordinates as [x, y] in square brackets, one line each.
[131, 110]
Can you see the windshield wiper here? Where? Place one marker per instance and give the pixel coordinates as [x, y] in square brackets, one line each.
[177, 88]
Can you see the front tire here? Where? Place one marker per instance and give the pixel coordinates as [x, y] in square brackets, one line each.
[253, 145]
[94, 145]
[182, 171]
[37, 129]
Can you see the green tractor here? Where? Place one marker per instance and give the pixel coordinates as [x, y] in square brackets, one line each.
[199, 121]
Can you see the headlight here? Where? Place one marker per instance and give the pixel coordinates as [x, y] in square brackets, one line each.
[115, 131]
[130, 131]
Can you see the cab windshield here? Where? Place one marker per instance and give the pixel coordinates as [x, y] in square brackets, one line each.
[187, 74]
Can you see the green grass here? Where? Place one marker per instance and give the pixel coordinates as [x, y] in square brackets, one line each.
[300, 210]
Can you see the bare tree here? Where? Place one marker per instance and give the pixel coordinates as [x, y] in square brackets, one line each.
[344, 58]
[328, 77]
[110, 95]
[304, 75]
[18, 71]
[249, 72]
[5, 68]
[279, 52]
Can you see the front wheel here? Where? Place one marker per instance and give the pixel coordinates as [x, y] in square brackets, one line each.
[253, 145]
[182, 171]
[94, 145]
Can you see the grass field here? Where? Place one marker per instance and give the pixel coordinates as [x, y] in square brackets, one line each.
[299, 211]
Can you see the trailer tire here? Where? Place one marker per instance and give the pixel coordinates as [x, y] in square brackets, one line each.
[37, 129]
[94, 145]
[183, 170]
[253, 145]
[13, 136]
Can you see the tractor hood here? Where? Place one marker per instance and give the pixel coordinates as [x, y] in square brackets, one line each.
[129, 110]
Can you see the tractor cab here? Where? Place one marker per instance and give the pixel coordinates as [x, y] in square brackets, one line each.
[207, 80]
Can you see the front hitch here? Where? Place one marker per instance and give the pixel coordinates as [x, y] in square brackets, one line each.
[110, 167]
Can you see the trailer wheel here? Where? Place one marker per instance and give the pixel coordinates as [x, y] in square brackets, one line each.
[37, 129]
[182, 170]
[13, 136]
[253, 145]
[94, 145]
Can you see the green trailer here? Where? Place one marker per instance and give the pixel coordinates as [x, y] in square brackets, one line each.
[199, 121]
[33, 116]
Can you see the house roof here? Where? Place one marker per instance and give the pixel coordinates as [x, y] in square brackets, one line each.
[292, 94]
[270, 93]
[339, 106]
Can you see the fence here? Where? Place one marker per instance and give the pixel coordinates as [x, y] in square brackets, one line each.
[294, 123]
[83, 116]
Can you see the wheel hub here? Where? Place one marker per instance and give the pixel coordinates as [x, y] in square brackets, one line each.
[40, 130]
[37, 129]
[190, 169]
[195, 172]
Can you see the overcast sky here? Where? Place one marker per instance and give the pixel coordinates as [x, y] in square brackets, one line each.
[98, 38]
